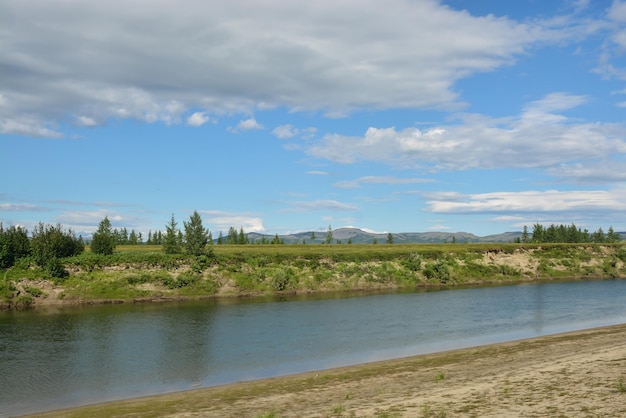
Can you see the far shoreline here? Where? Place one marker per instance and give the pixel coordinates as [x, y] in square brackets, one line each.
[591, 360]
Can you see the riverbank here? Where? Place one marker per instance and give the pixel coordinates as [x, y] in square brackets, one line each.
[577, 374]
[144, 274]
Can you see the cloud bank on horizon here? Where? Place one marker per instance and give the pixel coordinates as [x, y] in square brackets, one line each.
[277, 116]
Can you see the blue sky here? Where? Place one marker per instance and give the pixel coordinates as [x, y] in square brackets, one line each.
[280, 116]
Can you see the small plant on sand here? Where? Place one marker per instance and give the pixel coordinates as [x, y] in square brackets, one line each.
[429, 412]
[268, 414]
[621, 385]
[440, 377]
[338, 409]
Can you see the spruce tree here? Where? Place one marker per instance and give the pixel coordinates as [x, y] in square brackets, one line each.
[103, 241]
[196, 235]
[329, 235]
[170, 242]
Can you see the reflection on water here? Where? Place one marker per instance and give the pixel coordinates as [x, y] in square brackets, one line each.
[72, 356]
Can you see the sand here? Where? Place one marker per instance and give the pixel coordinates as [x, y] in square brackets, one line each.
[578, 374]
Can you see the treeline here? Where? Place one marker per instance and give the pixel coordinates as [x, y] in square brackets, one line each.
[567, 234]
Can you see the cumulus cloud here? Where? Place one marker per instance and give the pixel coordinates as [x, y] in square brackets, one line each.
[222, 221]
[246, 125]
[154, 61]
[537, 138]
[198, 119]
[315, 205]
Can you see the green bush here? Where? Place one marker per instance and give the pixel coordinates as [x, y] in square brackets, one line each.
[182, 280]
[439, 270]
[33, 291]
[56, 269]
[413, 262]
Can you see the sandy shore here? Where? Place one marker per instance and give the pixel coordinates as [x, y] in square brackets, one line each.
[579, 374]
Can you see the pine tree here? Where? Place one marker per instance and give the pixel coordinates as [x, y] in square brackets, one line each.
[525, 236]
[329, 235]
[241, 238]
[196, 235]
[170, 243]
[389, 238]
[103, 241]
[132, 238]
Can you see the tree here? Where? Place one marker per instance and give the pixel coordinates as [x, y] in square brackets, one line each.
[389, 238]
[329, 235]
[242, 239]
[612, 236]
[103, 241]
[312, 237]
[14, 245]
[196, 235]
[232, 236]
[525, 235]
[133, 239]
[170, 242]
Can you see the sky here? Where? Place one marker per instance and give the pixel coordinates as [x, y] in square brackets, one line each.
[279, 116]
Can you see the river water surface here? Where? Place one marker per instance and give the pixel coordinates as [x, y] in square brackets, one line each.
[73, 356]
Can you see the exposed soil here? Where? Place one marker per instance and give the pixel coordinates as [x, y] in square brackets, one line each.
[580, 374]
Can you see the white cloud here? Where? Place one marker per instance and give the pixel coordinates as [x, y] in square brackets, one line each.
[289, 131]
[315, 205]
[198, 119]
[386, 180]
[617, 11]
[528, 201]
[28, 126]
[246, 125]
[537, 138]
[86, 121]
[222, 221]
[285, 131]
[21, 207]
[318, 173]
[104, 60]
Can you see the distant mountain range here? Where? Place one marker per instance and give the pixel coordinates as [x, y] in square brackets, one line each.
[358, 236]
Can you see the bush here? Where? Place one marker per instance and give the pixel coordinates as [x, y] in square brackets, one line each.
[33, 291]
[52, 242]
[55, 268]
[438, 270]
[13, 245]
[281, 279]
[413, 262]
[182, 280]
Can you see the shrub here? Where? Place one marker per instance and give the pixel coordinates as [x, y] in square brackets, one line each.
[56, 269]
[281, 279]
[33, 291]
[52, 242]
[438, 270]
[413, 262]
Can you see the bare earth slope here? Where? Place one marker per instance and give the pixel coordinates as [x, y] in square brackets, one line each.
[580, 374]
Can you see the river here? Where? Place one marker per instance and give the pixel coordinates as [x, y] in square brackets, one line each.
[70, 356]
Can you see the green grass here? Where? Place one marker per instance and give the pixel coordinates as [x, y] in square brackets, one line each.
[146, 272]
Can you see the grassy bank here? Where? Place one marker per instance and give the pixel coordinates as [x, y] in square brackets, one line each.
[142, 273]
